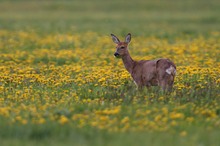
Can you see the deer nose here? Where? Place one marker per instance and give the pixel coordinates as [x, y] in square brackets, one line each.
[116, 54]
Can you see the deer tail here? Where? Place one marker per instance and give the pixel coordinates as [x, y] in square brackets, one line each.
[171, 70]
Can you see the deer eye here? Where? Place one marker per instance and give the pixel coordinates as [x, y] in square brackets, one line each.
[122, 47]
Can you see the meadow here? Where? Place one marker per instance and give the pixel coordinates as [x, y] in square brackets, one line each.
[61, 85]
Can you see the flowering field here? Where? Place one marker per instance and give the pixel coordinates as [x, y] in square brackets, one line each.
[75, 82]
[60, 83]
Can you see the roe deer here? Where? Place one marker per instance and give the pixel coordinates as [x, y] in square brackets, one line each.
[158, 72]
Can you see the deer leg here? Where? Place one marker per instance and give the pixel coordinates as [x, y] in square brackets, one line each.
[170, 81]
[166, 83]
[170, 85]
[139, 85]
[163, 84]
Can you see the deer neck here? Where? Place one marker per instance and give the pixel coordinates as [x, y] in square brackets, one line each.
[128, 62]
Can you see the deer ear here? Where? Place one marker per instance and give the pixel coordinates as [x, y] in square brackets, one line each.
[115, 39]
[128, 38]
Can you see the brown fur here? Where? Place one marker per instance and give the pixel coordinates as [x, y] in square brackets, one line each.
[159, 72]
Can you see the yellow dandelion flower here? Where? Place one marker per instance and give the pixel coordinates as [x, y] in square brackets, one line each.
[175, 115]
[63, 120]
[125, 120]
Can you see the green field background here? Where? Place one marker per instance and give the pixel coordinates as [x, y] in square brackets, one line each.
[152, 17]
[60, 84]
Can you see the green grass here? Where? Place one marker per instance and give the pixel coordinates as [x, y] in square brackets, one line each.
[52, 134]
[168, 19]
[157, 18]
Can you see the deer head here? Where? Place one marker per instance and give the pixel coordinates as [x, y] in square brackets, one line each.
[122, 47]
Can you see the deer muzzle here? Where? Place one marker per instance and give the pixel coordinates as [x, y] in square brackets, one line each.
[117, 55]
